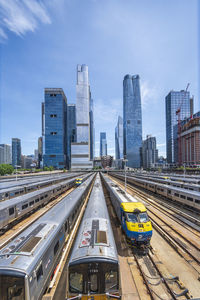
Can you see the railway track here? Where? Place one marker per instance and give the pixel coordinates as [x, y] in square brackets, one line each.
[159, 282]
[10, 234]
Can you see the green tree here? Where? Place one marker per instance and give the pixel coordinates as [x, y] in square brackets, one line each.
[6, 169]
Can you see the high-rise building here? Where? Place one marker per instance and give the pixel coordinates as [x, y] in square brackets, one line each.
[173, 101]
[92, 132]
[16, 152]
[81, 153]
[55, 128]
[1, 155]
[103, 144]
[132, 120]
[6, 154]
[40, 147]
[71, 128]
[149, 152]
[119, 139]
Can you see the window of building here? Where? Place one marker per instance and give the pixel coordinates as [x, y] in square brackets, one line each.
[128, 122]
[53, 155]
[53, 133]
[52, 95]
[53, 116]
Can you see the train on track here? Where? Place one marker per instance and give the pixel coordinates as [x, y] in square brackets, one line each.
[132, 215]
[178, 195]
[14, 209]
[27, 186]
[28, 262]
[93, 269]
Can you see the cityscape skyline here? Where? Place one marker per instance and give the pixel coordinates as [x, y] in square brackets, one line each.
[31, 68]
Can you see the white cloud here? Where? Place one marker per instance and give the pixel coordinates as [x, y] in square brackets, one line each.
[20, 16]
[148, 94]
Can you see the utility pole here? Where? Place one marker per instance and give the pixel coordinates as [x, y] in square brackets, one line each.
[125, 160]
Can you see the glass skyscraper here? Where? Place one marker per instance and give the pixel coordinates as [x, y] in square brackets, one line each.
[132, 120]
[103, 144]
[82, 149]
[174, 101]
[119, 139]
[55, 128]
[71, 128]
[16, 152]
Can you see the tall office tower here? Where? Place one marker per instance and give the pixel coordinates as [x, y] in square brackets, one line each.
[92, 132]
[55, 128]
[40, 151]
[174, 101]
[81, 149]
[16, 152]
[103, 144]
[119, 139]
[71, 128]
[1, 155]
[149, 152]
[132, 120]
[6, 154]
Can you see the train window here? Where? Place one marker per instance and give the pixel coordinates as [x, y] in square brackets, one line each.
[41, 198]
[169, 192]
[39, 273]
[76, 282]
[183, 197]
[197, 201]
[189, 198]
[24, 206]
[46, 196]
[93, 283]
[31, 203]
[175, 194]
[56, 247]
[66, 225]
[143, 217]
[11, 211]
[131, 217]
[37, 200]
[12, 287]
[111, 280]
[6, 195]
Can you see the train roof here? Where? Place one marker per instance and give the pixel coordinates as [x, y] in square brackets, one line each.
[131, 206]
[25, 250]
[95, 237]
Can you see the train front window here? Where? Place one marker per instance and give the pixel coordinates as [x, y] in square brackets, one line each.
[131, 217]
[12, 287]
[76, 282]
[111, 281]
[143, 217]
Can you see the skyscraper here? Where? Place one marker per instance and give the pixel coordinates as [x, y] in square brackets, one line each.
[149, 152]
[173, 101]
[16, 152]
[119, 139]
[71, 128]
[132, 120]
[6, 154]
[92, 133]
[55, 128]
[103, 144]
[40, 151]
[81, 153]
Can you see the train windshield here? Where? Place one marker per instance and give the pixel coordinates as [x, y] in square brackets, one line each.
[12, 287]
[137, 217]
[93, 278]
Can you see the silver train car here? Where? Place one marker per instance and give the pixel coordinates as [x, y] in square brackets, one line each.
[14, 209]
[28, 262]
[27, 187]
[184, 197]
[93, 269]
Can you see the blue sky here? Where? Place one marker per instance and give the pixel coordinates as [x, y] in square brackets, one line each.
[41, 42]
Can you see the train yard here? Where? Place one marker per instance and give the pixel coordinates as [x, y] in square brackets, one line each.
[94, 241]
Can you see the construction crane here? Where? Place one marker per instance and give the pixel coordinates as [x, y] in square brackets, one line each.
[178, 113]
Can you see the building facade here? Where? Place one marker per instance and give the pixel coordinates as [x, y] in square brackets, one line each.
[81, 154]
[16, 152]
[174, 101]
[55, 129]
[71, 128]
[119, 139]
[132, 120]
[103, 144]
[40, 152]
[149, 152]
[190, 140]
[5, 158]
